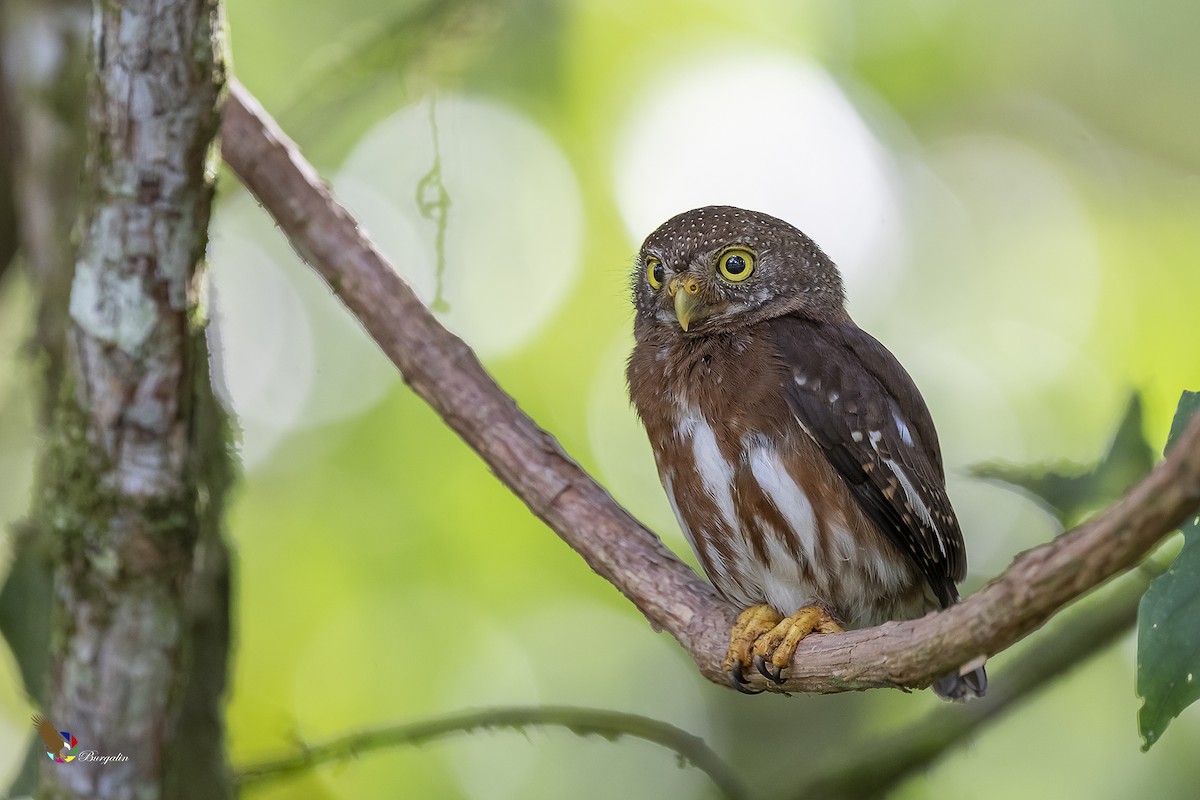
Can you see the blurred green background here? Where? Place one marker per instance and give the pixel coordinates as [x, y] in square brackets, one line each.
[1011, 189]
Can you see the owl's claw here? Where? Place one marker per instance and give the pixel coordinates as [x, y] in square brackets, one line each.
[776, 647]
[751, 624]
[775, 677]
[738, 681]
[765, 638]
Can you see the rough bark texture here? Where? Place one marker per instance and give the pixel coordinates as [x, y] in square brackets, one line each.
[137, 453]
[444, 371]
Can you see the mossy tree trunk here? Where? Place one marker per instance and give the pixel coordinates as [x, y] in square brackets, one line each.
[136, 464]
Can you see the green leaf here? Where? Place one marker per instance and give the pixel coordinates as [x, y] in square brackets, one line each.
[26, 598]
[1189, 404]
[1069, 491]
[1168, 664]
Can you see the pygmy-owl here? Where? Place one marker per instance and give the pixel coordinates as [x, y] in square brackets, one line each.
[797, 454]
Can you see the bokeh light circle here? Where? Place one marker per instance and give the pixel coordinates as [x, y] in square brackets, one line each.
[770, 132]
[513, 227]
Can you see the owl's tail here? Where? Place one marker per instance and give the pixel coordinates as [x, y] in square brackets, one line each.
[960, 688]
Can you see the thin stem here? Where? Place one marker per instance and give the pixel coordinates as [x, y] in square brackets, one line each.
[580, 721]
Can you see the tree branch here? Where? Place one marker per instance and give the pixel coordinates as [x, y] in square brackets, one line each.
[580, 721]
[878, 768]
[445, 372]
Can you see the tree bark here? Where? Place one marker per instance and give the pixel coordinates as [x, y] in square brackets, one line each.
[137, 455]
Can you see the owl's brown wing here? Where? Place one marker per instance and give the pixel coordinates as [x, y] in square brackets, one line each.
[863, 410]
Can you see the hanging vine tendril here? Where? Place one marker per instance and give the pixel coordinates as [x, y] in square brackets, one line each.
[433, 201]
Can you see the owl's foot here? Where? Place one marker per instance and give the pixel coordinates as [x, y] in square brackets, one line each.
[767, 639]
[752, 623]
[774, 650]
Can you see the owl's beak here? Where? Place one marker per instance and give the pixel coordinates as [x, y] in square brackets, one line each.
[688, 306]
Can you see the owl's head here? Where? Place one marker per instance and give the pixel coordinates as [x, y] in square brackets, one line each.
[718, 268]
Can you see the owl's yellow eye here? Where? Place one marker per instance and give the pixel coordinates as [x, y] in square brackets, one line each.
[735, 264]
[655, 272]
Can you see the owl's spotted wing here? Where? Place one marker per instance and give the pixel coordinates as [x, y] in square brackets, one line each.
[863, 410]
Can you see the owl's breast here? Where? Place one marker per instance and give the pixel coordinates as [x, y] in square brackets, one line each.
[768, 517]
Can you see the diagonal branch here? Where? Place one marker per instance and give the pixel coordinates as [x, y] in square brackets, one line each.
[580, 721]
[444, 371]
[876, 769]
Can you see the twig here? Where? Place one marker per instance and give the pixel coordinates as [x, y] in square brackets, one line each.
[445, 372]
[580, 721]
[877, 769]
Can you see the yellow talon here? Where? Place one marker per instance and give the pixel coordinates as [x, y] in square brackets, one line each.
[763, 636]
[779, 644]
[751, 624]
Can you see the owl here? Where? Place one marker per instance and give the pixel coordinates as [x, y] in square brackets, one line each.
[797, 454]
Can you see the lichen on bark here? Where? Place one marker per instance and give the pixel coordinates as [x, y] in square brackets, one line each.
[137, 464]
